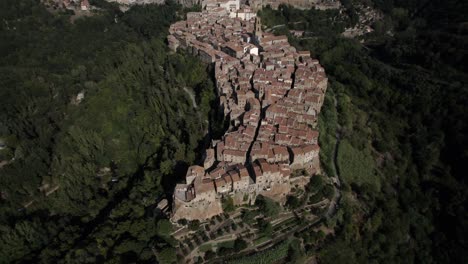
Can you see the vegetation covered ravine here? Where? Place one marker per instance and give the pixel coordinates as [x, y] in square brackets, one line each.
[96, 122]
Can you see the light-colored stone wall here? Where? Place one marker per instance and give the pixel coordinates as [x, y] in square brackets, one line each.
[200, 210]
[277, 192]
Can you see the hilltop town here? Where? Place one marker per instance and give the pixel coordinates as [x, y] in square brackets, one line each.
[272, 95]
[254, 4]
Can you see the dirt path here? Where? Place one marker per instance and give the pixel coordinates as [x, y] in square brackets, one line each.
[192, 97]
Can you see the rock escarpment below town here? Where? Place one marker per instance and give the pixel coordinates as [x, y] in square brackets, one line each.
[272, 95]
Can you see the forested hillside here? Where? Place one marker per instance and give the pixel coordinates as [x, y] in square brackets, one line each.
[396, 107]
[94, 122]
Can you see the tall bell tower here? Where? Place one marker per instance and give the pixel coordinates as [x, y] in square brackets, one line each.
[258, 29]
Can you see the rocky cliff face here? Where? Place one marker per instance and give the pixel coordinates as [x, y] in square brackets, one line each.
[141, 2]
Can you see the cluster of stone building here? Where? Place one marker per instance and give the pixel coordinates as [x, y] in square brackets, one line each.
[272, 95]
[75, 5]
[255, 4]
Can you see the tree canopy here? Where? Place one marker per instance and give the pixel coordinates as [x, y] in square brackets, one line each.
[93, 114]
[396, 99]
[267, 206]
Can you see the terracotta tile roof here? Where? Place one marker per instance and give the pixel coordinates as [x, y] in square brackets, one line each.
[257, 170]
[217, 172]
[310, 148]
[280, 151]
[196, 171]
[235, 176]
[204, 186]
[236, 153]
[297, 151]
[227, 178]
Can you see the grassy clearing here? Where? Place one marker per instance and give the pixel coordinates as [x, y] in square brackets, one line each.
[226, 244]
[327, 124]
[261, 240]
[206, 247]
[357, 166]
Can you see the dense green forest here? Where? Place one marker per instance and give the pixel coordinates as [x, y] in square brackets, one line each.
[94, 125]
[400, 120]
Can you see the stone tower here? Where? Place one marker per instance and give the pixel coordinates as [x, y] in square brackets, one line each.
[258, 29]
